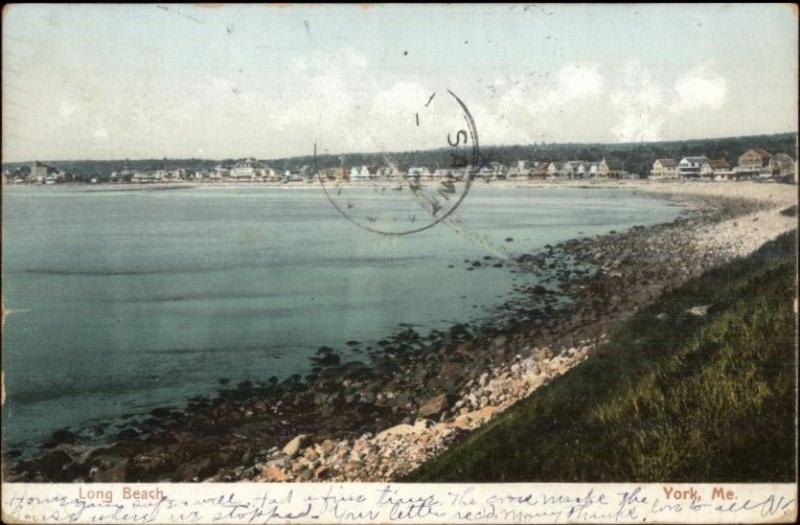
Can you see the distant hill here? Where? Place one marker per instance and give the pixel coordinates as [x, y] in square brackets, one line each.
[636, 157]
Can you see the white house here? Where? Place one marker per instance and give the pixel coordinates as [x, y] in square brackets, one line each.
[689, 167]
[419, 172]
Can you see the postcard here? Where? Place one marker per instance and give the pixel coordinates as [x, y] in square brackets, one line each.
[399, 263]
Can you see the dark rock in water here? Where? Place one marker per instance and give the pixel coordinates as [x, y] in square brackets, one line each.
[61, 437]
[223, 380]
[487, 257]
[476, 263]
[326, 357]
[161, 412]
[539, 289]
[353, 343]
[497, 265]
[128, 433]
[470, 269]
[409, 334]
[509, 239]
[450, 266]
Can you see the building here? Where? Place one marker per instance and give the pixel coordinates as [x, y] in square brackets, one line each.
[689, 167]
[419, 172]
[611, 169]
[782, 165]
[754, 162]
[521, 171]
[141, 177]
[717, 169]
[539, 169]
[574, 169]
[38, 172]
[369, 172]
[555, 169]
[389, 172]
[664, 169]
[342, 175]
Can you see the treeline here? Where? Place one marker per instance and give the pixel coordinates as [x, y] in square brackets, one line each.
[636, 157]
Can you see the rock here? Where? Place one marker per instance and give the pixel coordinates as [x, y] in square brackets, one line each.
[398, 430]
[59, 437]
[274, 473]
[423, 424]
[196, 469]
[433, 406]
[115, 473]
[353, 468]
[478, 417]
[698, 311]
[326, 447]
[292, 447]
[541, 354]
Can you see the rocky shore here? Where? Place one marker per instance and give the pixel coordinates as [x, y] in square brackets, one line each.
[414, 394]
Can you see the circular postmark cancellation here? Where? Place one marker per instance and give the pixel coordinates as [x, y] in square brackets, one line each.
[435, 155]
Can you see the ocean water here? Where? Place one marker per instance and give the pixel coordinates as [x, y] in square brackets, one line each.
[124, 300]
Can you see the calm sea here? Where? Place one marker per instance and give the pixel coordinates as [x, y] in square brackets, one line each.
[126, 300]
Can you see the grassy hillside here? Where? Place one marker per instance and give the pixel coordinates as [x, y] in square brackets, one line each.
[673, 398]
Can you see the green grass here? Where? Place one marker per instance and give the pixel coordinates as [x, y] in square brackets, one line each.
[682, 399]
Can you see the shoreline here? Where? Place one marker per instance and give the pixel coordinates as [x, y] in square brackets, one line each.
[658, 186]
[239, 434]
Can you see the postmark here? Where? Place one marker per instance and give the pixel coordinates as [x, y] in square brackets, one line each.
[391, 195]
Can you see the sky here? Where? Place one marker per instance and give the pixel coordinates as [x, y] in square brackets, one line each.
[153, 81]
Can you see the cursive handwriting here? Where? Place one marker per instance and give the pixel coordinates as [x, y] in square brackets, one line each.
[395, 503]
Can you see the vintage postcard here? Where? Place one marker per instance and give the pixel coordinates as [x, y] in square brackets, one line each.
[399, 263]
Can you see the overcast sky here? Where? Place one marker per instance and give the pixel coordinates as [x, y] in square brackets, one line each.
[105, 82]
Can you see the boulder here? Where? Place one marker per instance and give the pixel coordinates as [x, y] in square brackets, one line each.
[398, 430]
[292, 447]
[274, 473]
[698, 311]
[433, 406]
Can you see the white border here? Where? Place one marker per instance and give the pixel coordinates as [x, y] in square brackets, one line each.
[381, 503]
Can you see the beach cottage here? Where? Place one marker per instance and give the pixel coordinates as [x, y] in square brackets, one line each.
[717, 169]
[754, 163]
[781, 165]
[539, 169]
[664, 169]
[689, 167]
[611, 169]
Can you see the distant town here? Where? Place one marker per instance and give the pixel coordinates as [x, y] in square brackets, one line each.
[753, 164]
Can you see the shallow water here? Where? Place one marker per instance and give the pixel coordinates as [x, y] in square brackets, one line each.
[125, 300]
